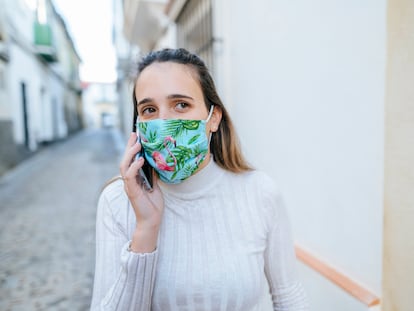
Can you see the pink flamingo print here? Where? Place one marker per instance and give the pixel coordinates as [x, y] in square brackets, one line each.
[159, 159]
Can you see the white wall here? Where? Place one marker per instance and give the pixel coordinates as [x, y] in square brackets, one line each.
[45, 121]
[323, 295]
[305, 84]
[5, 109]
[56, 91]
[20, 64]
[24, 67]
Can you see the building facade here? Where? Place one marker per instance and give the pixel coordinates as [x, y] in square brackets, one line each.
[100, 105]
[321, 100]
[40, 94]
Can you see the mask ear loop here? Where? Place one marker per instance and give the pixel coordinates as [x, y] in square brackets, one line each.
[210, 113]
[208, 119]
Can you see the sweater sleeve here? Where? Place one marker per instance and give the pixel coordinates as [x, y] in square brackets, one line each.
[123, 280]
[280, 261]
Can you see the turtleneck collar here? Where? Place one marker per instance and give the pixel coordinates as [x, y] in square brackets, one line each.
[196, 185]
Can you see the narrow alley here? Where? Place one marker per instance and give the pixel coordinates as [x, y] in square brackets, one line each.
[47, 222]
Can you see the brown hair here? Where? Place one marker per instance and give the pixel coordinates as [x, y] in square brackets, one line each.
[224, 145]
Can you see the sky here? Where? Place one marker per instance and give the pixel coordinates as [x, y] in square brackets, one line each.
[89, 23]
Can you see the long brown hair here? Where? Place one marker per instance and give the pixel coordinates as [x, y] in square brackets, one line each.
[224, 145]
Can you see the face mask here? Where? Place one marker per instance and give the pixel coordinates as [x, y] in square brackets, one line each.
[174, 147]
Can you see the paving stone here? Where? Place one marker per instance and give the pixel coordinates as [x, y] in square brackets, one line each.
[47, 223]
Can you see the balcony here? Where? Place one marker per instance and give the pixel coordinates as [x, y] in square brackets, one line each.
[43, 42]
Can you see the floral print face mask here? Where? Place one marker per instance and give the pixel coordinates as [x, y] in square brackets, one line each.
[174, 147]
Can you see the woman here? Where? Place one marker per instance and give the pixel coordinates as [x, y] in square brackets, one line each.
[212, 233]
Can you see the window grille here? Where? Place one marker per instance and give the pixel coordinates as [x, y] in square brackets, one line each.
[195, 30]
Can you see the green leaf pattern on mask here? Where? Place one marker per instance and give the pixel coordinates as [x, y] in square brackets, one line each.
[193, 139]
[181, 154]
[142, 127]
[179, 128]
[188, 152]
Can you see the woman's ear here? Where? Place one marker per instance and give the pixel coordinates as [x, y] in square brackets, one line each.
[215, 119]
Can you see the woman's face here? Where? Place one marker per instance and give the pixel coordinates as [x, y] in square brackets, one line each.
[168, 90]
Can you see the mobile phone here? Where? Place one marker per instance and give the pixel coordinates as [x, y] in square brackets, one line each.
[145, 172]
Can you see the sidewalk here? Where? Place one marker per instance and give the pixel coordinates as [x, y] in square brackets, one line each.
[47, 223]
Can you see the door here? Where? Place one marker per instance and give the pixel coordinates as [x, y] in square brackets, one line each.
[25, 114]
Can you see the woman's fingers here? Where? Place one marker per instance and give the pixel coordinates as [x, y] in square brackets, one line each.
[132, 172]
[147, 205]
[133, 147]
[132, 184]
[132, 139]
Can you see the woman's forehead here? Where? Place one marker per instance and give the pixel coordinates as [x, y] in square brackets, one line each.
[169, 68]
[168, 77]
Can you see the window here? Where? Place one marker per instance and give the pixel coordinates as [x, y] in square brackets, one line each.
[195, 30]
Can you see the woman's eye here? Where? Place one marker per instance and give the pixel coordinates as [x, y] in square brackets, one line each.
[181, 105]
[147, 110]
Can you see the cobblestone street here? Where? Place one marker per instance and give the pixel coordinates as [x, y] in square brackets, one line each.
[47, 223]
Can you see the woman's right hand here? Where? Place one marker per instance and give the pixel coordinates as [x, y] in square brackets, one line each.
[148, 206]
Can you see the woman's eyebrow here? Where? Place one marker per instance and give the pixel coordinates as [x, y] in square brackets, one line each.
[145, 100]
[173, 96]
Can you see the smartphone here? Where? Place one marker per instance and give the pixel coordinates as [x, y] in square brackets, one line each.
[145, 172]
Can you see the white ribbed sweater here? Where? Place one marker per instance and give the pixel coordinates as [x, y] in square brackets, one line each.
[224, 241]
